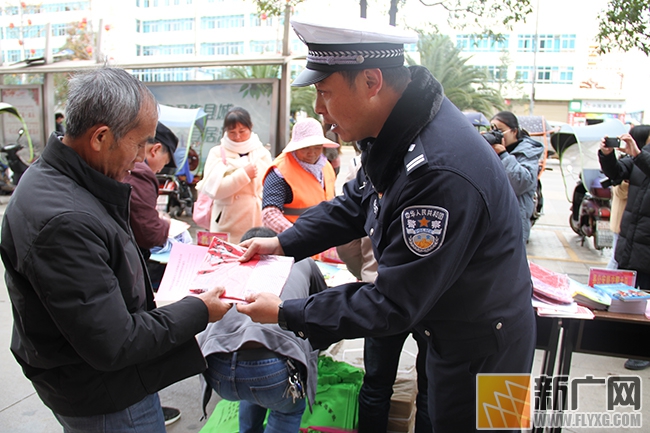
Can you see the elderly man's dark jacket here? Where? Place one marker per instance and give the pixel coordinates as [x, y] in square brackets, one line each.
[86, 330]
[444, 224]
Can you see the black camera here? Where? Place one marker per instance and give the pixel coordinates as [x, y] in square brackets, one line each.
[493, 137]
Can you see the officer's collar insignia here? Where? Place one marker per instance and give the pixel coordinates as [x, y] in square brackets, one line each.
[415, 157]
[424, 228]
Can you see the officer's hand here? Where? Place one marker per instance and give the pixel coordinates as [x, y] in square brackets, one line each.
[216, 307]
[262, 307]
[261, 246]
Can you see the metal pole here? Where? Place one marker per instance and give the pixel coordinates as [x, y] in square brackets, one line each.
[531, 105]
[284, 104]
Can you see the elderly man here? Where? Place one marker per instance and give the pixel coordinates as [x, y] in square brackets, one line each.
[86, 330]
[431, 197]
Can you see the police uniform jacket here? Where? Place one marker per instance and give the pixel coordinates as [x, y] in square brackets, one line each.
[86, 331]
[437, 205]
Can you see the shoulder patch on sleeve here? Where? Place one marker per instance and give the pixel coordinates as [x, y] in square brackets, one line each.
[415, 157]
[424, 228]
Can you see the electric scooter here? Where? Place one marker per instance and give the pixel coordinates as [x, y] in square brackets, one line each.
[13, 159]
[591, 209]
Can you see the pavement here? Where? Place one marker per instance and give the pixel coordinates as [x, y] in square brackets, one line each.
[552, 245]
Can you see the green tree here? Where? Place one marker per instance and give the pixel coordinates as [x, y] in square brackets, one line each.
[274, 8]
[463, 84]
[485, 14]
[624, 25]
[302, 98]
[255, 90]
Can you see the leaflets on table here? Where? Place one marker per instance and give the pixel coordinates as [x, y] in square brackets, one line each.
[625, 299]
[571, 310]
[623, 292]
[195, 269]
[335, 275]
[589, 297]
[611, 276]
[204, 238]
[176, 227]
[550, 286]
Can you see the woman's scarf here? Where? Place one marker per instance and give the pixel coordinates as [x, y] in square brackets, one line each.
[242, 147]
[383, 156]
[315, 169]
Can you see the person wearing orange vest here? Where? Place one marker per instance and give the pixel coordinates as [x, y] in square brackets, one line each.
[299, 178]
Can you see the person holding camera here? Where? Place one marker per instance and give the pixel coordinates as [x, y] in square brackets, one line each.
[632, 250]
[520, 157]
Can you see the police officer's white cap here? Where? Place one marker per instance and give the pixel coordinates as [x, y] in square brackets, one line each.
[348, 45]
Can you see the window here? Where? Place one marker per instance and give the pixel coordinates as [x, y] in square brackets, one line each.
[260, 47]
[14, 56]
[411, 48]
[13, 33]
[546, 43]
[546, 74]
[161, 3]
[164, 50]
[525, 74]
[168, 74]
[34, 32]
[256, 21]
[59, 29]
[165, 25]
[222, 48]
[495, 73]
[222, 22]
[64, 7]
[474, 44]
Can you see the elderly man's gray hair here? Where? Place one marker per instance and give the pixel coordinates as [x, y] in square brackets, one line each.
[107, 96]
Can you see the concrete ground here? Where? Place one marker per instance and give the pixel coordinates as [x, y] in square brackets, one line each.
[552, 245]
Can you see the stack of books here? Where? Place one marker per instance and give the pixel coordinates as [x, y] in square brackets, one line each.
[590, 297]
[624, 298]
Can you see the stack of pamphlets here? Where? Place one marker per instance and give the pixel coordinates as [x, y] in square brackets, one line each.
[552, 295]
[550, 287]
[624, 298]
[590, 297]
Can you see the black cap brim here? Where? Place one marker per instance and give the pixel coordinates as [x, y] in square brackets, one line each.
[308, 77]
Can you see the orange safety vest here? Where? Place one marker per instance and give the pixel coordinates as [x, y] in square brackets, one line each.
[307, 191]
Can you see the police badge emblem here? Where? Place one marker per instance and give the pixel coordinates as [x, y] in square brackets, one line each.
[424, 228]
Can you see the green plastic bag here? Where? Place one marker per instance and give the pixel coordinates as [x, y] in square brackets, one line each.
[337, 395]
[336, 403]
[224, 418]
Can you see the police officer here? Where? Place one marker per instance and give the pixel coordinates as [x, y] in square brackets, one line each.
[431, 197]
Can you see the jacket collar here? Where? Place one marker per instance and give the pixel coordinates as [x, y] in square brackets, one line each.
[383, 157]
[113, 195]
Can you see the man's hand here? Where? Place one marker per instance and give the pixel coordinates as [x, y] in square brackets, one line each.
[216, 307]
[262, 307]
[261, 246]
